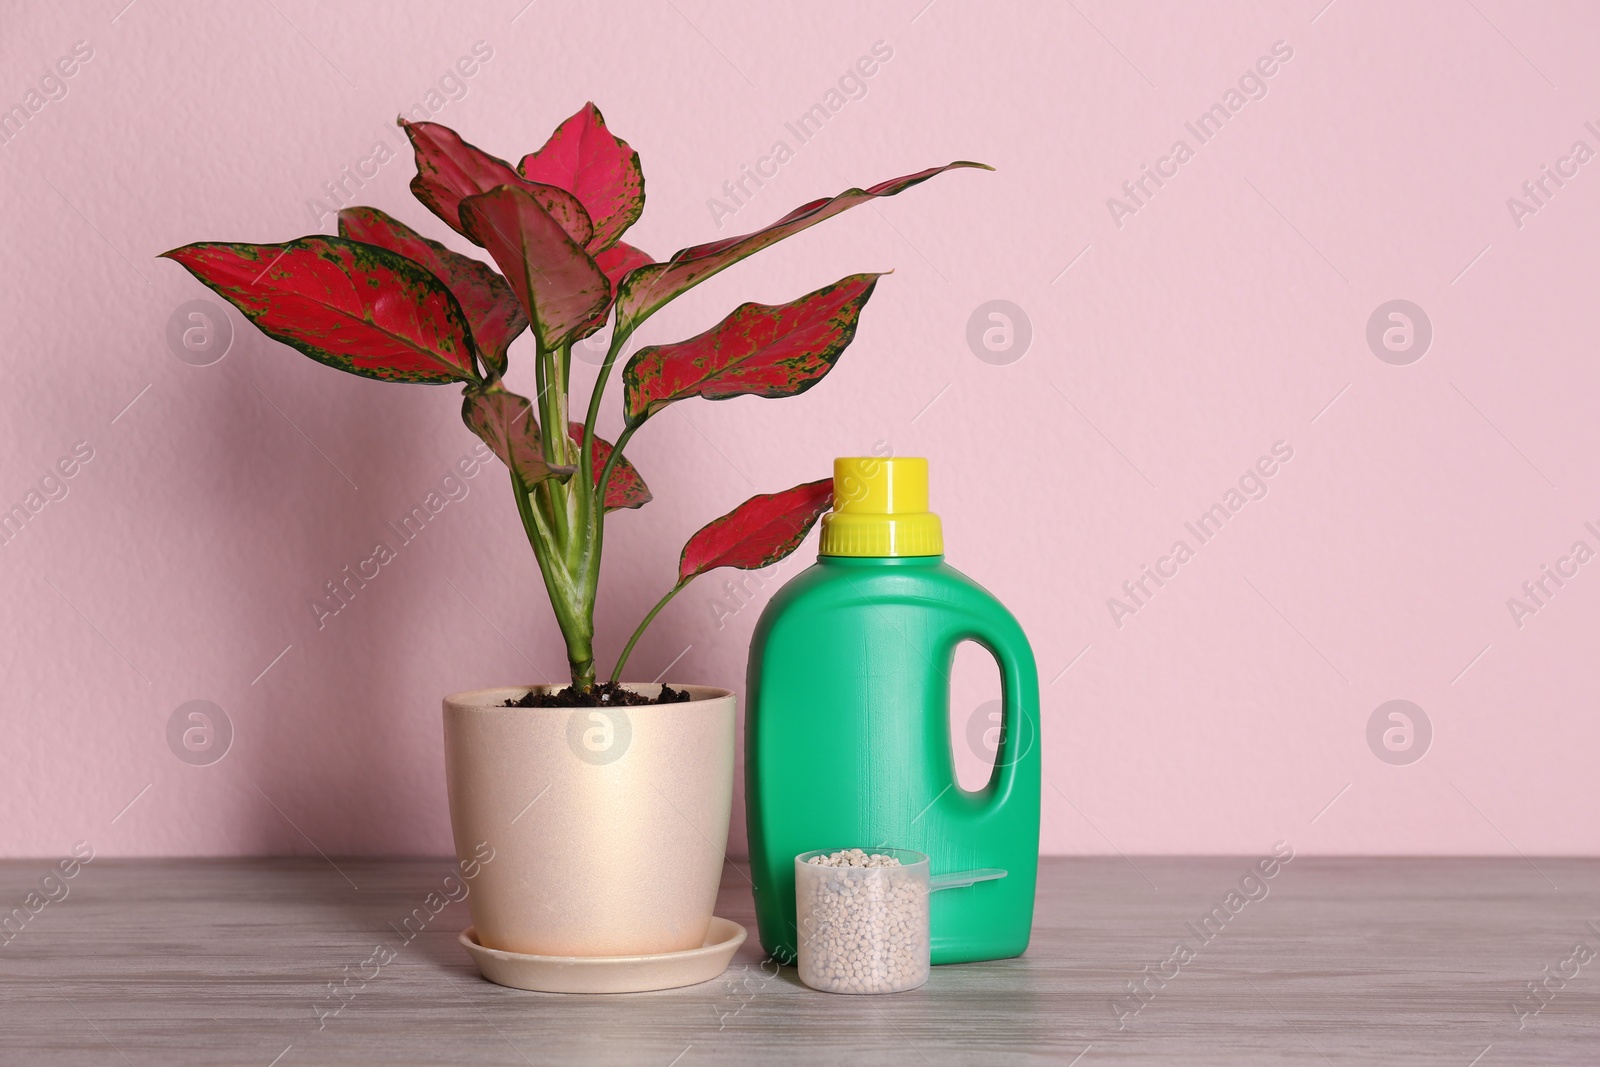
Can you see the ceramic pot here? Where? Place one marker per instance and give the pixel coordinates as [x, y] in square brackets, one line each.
[593, 831]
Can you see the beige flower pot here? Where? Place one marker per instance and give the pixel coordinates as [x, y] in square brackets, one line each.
[604, 828]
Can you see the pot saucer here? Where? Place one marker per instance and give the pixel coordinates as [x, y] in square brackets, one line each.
[609, 974]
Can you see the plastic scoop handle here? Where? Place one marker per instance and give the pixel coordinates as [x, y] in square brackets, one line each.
[962, 879]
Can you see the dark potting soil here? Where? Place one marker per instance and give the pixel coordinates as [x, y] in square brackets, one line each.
[604, 695]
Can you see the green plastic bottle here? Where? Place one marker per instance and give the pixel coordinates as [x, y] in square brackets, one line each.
[847, 735]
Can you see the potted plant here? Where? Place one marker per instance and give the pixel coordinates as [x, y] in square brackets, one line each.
[606, 826]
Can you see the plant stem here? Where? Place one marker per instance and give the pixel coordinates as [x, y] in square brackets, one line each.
[619, 337]
[593, 503]
[542, 385]
[594, 518]
[573, 606]
[627, 650]
[556, 494]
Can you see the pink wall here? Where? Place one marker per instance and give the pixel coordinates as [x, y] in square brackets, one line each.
[1174, 341]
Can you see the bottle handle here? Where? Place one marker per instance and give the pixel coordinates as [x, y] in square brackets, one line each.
[1018, 732]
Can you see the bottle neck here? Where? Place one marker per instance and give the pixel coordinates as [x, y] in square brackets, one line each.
[880, 561]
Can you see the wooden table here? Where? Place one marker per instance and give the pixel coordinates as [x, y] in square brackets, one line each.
[1373, 961]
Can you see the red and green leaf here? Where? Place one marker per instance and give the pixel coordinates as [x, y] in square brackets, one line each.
[627, 489]
[507, 424]
[559, 286]
[615, 262]
[768, 350]
[356, 307]
[619, 260]
[647, 289]
[449, 170]
[491, 307]
[757, 533]
[587, 160]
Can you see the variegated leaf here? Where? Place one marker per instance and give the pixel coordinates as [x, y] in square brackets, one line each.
[645, 290]
[507, 424]
[449, 170]
[757, 533]
[587, 160]
[560, 287]
[491, 307]
[627, 488]
[766, 350]
[353, 306]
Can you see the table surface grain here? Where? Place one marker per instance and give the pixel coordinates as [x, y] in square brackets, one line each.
[1371, 961]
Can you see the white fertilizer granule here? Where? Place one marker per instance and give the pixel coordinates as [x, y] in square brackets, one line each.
[863, 923]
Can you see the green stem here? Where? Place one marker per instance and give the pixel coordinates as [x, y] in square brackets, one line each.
[594, 510]
[557, 495]
[627, 650]
[595, 518]
[573, 610]
[619, 337]
[542, 386]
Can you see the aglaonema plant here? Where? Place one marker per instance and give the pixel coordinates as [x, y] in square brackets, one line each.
[382, 301]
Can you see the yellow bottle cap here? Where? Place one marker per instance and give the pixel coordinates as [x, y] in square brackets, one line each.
[880, 508]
